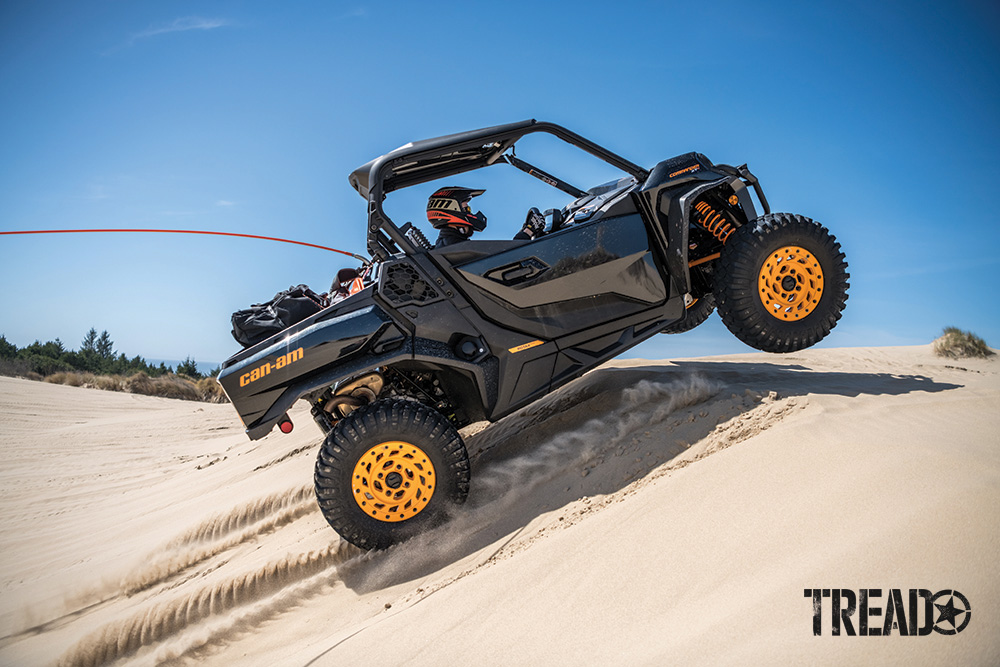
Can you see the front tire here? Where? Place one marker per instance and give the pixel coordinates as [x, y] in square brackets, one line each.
[782, 283]
[388, 471]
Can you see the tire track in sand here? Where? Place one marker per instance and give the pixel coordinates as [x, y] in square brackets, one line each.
[160, 621]
[215, 535]
[209, 538]
[224, 523]
[162, 568]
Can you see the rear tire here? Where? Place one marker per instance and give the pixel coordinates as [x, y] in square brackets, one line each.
[781, 283]
[697, 313]
[388, 471]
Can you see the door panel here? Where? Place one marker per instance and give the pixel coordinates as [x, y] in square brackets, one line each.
[565, 282]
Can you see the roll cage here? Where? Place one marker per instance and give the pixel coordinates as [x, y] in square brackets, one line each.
[422, 161]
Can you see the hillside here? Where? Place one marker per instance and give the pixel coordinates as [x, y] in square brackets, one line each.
[649, 513]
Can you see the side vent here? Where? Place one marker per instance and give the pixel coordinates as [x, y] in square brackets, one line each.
[402, 284]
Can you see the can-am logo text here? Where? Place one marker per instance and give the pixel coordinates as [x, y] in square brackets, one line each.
[265, 369]
[911, 613]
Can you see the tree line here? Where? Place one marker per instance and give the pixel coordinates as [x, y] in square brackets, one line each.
[96, 355]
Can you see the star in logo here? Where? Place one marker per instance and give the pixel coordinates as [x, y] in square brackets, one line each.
[957, 616]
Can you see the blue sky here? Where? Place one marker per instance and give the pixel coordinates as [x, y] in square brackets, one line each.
[877, 119]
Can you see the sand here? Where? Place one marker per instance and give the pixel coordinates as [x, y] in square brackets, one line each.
[652, 512]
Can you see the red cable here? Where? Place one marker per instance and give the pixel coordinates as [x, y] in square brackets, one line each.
[188, 231]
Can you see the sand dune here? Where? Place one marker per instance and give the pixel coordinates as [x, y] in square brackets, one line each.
[649, 513]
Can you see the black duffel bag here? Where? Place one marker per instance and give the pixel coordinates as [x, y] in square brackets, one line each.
[263, 320]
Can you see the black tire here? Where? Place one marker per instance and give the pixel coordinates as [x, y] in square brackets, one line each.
[412, 436]
[697, 312]
[792, 313]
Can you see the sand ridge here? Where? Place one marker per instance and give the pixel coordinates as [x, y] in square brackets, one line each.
[151, 531]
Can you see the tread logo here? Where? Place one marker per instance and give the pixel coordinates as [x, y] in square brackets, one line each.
[946, 612]
[265, 369]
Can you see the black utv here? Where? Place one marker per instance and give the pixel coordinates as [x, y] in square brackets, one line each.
[438, 338]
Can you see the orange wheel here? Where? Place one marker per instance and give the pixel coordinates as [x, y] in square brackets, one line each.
[390, 470]
[393, 481]
[781, 283]
[790, 283]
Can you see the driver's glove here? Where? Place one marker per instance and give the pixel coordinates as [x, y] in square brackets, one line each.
[534, 224]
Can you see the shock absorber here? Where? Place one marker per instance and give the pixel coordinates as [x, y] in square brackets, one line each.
[716, 222]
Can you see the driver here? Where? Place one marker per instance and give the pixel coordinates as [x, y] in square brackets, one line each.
[450, 212]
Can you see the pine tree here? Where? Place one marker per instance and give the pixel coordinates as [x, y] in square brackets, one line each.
[89, 359]
[188, 367]
[105, 346]
[89, 343]
[7, 349]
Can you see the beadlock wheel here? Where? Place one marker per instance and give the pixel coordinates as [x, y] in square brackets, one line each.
[393, 481]
[790, 283]
[390, 470]
[781, 283]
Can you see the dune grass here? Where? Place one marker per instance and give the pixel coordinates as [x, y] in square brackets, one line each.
[166, 386]
[956, 344]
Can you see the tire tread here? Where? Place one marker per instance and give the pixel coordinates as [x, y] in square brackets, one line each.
[366, 426]
[736, 284]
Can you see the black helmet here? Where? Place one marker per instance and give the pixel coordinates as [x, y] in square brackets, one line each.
[449, 207]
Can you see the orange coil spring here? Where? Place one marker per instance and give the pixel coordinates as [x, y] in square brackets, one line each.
[715, 222]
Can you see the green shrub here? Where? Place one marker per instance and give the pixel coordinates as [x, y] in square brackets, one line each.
[955, 343]
[15, 368]
[44, 365]
[7, 349]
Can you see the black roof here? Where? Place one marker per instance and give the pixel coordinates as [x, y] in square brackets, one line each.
[422, 161]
